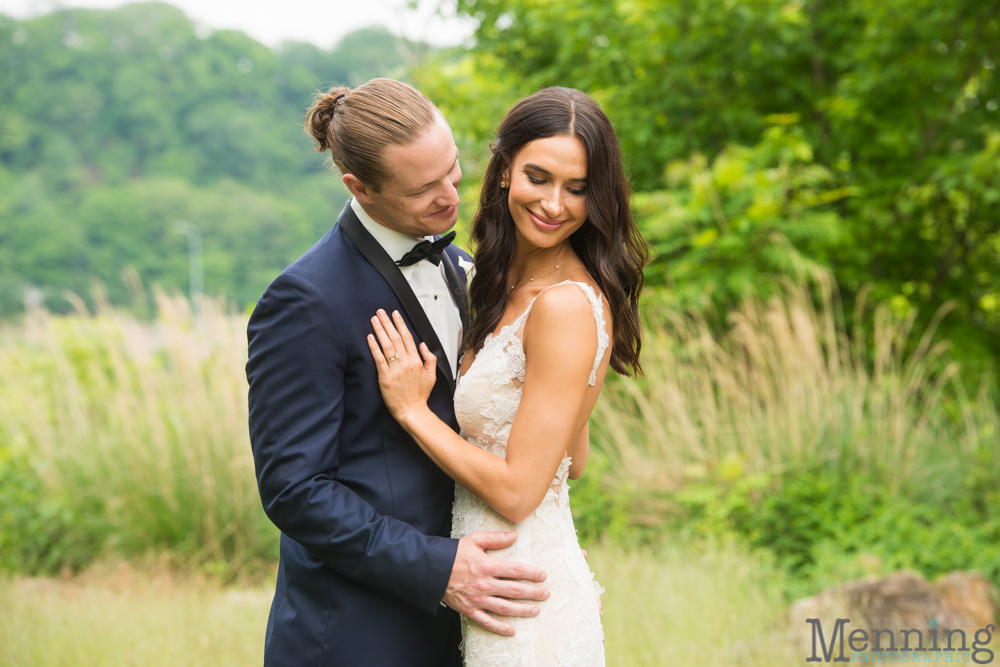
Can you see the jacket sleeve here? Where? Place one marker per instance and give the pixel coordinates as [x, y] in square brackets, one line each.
[295, 369]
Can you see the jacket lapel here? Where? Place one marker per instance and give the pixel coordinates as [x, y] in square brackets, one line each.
[379, 258]
[457, 288]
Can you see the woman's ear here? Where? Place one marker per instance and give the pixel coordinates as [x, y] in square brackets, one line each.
[505, 178]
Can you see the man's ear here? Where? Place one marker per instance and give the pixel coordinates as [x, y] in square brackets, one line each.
[360, 191]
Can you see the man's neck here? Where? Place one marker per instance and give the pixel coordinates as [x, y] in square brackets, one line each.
[394, 243]
[379, 217]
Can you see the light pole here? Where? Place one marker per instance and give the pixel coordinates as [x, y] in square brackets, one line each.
[196, 279]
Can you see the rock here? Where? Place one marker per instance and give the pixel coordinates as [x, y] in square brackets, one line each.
[968, 595]
[903, 601]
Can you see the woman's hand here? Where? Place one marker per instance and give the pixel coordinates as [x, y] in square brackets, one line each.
[406, 381]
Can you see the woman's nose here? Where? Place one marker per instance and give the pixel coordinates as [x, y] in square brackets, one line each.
[552, 205]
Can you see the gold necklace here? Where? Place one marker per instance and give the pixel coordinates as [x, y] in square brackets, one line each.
[531, 280]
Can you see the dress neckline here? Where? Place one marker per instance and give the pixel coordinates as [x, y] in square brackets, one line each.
[496, 335]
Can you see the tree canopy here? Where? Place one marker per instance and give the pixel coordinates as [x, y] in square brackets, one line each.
[776, 136]
[764, 138]
[116, 124]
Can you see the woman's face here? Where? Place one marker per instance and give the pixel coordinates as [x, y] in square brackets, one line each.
[548, 190]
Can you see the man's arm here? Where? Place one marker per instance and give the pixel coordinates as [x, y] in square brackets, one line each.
[296, 375]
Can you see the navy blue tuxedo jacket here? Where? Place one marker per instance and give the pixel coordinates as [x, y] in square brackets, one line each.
[364, 514]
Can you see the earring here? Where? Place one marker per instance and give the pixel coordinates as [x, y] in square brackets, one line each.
[504, 185]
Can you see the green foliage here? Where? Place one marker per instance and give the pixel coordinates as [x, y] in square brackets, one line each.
[838, 457]
[117, 123]
[141, 431]
[896, 104]
[822, 526]
[752, 217]
[40, 532]
[599, 510]
[825, 526]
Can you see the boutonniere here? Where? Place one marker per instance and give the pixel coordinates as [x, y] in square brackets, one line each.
[469, 268]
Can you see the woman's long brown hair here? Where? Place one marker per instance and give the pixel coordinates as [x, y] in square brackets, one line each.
[609, 243]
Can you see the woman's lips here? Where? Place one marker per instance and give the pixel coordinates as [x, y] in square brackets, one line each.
[544, 223]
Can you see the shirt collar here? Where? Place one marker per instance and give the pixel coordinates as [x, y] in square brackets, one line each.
[396, 244]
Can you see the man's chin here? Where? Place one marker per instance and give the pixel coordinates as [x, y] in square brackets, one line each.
[436, 226]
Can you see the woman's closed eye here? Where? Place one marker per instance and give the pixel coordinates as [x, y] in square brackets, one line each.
[540, 181]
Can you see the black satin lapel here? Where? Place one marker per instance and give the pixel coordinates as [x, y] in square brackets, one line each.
[379, 258]
[458, 292]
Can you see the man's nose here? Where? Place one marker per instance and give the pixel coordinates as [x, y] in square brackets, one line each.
[450, 195]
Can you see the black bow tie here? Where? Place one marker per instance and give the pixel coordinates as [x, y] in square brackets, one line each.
[429, 250]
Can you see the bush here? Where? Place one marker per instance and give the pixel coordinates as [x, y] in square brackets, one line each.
[40, 533]
[140, 430]
[598, 508]
[841, 455]
[825, 527]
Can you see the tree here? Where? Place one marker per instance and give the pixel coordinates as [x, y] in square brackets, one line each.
[115, 123]
[897, 101]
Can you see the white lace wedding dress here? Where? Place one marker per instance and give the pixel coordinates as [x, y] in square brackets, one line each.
[567, 631]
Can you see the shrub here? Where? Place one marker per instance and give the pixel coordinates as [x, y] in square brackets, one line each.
[818, 446]
[142, 428]
[40, 533]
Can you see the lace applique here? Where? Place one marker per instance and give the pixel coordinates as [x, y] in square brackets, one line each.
[567, 632]
[603, 339]
[513, 367]
[563, 471]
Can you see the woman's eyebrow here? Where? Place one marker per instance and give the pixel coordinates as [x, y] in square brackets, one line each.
[535, 167]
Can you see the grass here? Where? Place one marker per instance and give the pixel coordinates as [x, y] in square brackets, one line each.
[786, 389]
[144, 425]
[139, 430]
[675, 606]
[121, 617]
[701, 606]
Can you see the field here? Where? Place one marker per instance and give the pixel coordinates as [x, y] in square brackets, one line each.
[671, 607]
[819, 184]
[754, 463]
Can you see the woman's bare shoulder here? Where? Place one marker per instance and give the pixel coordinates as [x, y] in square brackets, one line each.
[568, 301]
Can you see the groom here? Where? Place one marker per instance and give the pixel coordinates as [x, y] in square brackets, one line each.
[368, 575]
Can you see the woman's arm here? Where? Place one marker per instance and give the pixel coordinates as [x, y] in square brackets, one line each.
[560, 343]
[580, 453]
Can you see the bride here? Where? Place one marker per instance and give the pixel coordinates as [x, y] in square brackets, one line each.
[554, 298]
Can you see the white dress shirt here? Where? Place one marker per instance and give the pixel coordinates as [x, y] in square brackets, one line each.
[427, 281]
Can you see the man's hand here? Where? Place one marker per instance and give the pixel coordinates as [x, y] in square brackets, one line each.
[480, 583]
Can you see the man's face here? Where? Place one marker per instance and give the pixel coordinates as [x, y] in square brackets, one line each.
[420, 196]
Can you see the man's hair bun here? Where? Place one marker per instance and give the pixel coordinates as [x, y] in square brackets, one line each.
[357, 126]
[322, 113]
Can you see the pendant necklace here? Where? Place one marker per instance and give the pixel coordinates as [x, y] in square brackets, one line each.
[531, 280]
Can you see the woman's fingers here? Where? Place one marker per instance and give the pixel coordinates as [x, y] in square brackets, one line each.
[383, 338]
[430, 361]
[404, 333]
[390, 331]
[377, 355]
[397, 343]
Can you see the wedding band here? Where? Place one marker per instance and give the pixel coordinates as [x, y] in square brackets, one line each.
[392, 358]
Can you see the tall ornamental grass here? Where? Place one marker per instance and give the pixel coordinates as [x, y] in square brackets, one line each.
[140, 429]
[787, 390]
[137, 430]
